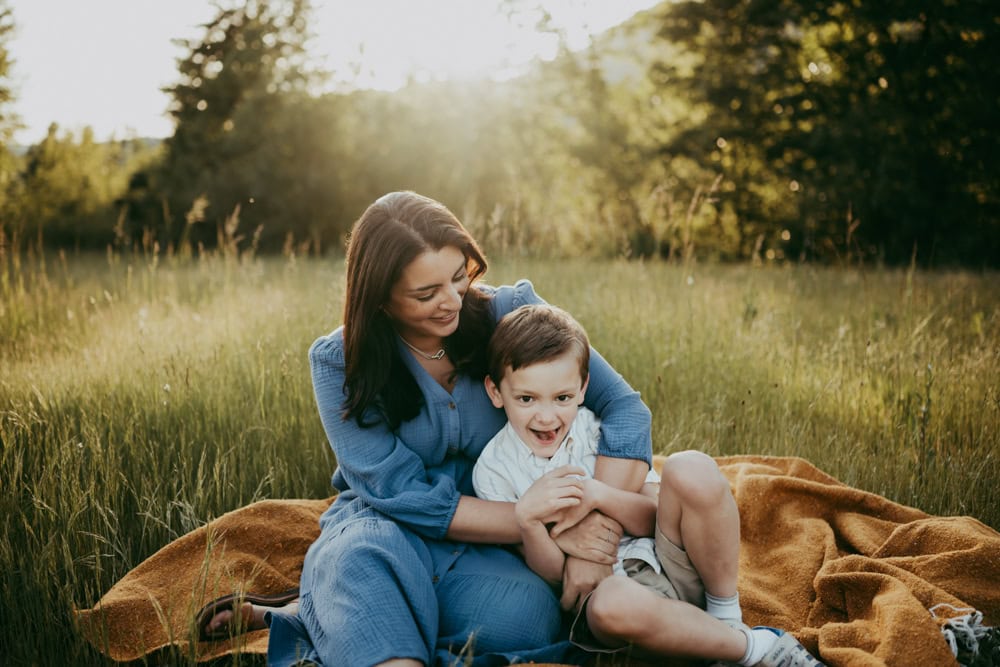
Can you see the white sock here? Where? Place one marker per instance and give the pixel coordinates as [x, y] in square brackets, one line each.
[724, 609]
[759, 642]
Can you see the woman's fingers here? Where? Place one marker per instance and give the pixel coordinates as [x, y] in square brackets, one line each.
[602, 525]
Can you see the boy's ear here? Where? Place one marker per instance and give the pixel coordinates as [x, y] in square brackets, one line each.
[583, 389]
[493, 392]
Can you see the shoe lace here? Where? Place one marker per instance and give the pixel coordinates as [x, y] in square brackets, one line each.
[972, 643]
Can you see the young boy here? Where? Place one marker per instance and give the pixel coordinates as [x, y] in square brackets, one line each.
[544, 461]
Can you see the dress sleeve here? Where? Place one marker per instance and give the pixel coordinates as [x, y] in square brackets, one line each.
[379, 467]
[626, 423]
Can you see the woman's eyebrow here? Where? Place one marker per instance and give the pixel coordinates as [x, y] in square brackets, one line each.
[424, 288]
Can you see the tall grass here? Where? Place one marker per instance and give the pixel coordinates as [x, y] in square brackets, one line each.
[143, 396]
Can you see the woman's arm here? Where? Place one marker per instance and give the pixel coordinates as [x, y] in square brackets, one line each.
[488, 521]
[375, 464]
[626, 443]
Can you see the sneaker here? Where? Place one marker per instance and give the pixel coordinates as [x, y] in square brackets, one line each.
[788, 652]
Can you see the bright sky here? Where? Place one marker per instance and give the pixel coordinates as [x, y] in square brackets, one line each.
[102, 62]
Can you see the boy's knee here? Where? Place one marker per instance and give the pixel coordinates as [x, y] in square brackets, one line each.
[695, 478]
[611, 609]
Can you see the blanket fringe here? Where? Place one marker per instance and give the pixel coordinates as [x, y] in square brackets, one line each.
[972, 643]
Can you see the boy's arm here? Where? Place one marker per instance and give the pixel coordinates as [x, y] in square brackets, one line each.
[543, 502]
[541, 553]
[582, 572]
[636, 512]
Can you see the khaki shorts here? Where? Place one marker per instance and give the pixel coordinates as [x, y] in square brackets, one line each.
[678, 581]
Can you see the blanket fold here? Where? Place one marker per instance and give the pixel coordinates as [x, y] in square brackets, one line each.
[851, 574]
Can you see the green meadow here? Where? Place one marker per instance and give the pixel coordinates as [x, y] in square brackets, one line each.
[141, 396]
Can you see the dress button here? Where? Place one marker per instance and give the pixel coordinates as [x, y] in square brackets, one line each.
[451, 406]
[436, 579]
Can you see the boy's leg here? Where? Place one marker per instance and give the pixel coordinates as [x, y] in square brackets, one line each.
[697, 513]
[621, 610]
[698, 526]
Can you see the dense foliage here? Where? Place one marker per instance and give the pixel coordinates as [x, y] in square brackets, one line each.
[732, 129]
[872, 117]
[7, 121]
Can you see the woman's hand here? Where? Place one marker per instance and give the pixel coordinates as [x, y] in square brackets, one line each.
[595, 538]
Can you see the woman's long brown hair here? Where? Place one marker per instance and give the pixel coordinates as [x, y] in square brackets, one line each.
[390, 234]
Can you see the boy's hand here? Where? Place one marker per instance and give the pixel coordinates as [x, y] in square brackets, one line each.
[593, 494]
[550, 495]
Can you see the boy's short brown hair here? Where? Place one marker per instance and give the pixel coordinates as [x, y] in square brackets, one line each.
[535, 333]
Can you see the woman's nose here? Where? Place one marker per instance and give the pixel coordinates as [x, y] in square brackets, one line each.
[453, 299]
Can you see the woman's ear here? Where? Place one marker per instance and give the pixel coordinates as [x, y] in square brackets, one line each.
[493, 392]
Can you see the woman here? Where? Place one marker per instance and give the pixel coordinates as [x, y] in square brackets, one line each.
[407, 570]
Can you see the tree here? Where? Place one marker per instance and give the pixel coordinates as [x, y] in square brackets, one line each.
[848, 126]
[66, 191]
[8, 121]
[227, 102]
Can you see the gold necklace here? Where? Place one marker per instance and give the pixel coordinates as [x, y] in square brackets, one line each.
[429, 357]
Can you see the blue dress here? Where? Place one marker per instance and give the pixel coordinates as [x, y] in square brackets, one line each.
[382, 581]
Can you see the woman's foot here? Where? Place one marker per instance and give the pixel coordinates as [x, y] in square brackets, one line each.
[247, 618]
[234, 614]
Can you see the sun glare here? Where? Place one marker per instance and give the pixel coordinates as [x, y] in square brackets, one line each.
[385, 43]
[110, 76]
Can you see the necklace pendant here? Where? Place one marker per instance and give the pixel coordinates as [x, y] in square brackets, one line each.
[429, 357]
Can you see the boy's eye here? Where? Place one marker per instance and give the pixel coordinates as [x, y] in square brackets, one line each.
[563, 398]
[524, 399]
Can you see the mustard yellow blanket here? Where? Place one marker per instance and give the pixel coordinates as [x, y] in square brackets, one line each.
[853, 575]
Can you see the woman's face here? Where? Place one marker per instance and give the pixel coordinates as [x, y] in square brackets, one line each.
[425, 301]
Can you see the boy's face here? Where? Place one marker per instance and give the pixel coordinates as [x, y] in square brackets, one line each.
[541, 401]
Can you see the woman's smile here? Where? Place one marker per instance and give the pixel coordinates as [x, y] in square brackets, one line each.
[426, 300]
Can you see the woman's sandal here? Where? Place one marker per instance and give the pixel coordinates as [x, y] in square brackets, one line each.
[232, 603]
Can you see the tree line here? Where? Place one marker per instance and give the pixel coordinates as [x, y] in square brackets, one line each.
[726, 129]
